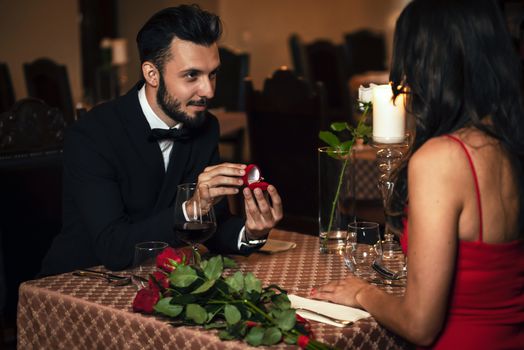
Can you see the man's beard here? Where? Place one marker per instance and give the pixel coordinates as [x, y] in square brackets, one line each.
[171, 107]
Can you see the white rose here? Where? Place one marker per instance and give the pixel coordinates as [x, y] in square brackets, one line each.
[365, 93]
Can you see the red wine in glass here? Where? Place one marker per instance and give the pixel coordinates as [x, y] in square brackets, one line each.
[194, 232]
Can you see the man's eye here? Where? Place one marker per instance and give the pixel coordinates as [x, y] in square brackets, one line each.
[191, 75]
[213, 75]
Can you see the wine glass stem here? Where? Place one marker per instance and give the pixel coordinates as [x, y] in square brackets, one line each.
[196, 255]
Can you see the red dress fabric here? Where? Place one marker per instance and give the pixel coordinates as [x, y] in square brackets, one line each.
[486, 306]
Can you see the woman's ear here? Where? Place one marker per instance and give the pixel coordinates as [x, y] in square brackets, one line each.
[150, 73]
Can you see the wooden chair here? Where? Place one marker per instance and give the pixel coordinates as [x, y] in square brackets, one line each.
[230, 95]
[298, 57]
[31, 137]
[29, 128]
[49, 82]
[230, 88]
[7, 95]
[323, 61]
[365, 51]
[283, 126]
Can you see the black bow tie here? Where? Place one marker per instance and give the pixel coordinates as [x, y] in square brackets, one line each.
[169, 134]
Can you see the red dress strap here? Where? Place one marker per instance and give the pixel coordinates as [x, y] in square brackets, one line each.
[477, 189]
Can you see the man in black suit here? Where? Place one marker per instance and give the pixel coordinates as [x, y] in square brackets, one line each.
[120, 176]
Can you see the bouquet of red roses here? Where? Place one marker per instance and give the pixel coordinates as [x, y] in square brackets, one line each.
[237, 305]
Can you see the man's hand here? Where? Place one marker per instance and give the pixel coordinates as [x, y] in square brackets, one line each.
[221, 180]
[261, 217]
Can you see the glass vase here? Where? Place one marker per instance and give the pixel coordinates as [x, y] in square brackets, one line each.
[336, 198]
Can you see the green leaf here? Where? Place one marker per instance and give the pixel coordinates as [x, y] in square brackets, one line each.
[252, 283]
[225, 335]
[236, 282]
[213, 269]
[272, 335]
[204, 287]
[346, 146]
[339, 126]
[290, 338]
[232, 314]
[229, 263]
[164, 307]
[183, 276]
[281, 301]
[255, 335]
[196, 313]
[286, 321]
[183, 299]
[363, 130]
[329, 138]
[215, 325]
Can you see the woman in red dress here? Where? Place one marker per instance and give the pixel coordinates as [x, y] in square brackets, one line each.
[465, 183]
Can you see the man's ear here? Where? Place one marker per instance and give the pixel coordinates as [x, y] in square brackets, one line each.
[150, 73]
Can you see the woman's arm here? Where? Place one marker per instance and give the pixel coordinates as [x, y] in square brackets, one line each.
[437, 186]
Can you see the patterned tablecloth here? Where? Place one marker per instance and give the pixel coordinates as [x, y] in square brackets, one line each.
[69, 312]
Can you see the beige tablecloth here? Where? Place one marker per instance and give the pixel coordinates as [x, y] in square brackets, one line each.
[69, 312]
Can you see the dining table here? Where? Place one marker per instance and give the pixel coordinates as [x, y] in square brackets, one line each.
[71, 312]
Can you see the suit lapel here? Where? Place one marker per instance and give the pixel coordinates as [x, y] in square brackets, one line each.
[137, 127]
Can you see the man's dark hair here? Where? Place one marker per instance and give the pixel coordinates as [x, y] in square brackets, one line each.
[186, 22]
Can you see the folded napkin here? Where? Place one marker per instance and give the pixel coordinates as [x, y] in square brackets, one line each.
[319, 308]
[274, 246]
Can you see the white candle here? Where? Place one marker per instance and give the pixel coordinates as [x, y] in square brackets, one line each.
[389, 121]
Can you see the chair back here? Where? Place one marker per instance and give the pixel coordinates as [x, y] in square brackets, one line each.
[365, 51]
[283, 126]
[325, 63]
[30, 127]
[7, 95]
[298, 57]
[230, 88]
[49, 82]
[31, 138]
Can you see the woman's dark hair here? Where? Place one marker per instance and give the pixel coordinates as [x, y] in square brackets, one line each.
[186, 22]
[457, 62]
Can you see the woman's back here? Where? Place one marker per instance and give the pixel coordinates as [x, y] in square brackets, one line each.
[498, 189]
[486, 302]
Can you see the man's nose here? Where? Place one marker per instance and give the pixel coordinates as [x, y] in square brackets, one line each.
[207, 88]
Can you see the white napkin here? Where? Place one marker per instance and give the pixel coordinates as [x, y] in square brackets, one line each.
[336, 311]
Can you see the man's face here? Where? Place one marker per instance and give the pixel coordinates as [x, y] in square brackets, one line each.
[188, 82]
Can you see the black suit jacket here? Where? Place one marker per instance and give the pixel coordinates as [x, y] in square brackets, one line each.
[117, 192]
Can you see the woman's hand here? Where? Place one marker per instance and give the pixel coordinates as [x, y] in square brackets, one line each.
[342, 291]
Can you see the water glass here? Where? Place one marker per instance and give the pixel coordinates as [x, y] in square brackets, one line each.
[363, 246]
[145, 255]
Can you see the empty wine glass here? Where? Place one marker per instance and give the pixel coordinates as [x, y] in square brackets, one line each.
[194, 220]
[363, 246]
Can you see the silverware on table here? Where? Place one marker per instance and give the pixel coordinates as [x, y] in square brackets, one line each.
[112, 279]
[332, 319]
[387, 273]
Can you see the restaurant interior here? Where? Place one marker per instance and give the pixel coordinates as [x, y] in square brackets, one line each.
[289, 69]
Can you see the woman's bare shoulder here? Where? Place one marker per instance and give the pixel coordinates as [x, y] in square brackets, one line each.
[438, 152]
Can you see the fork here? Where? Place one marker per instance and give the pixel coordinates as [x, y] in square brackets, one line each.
[332, 319]
[387, 273]
[114, 280]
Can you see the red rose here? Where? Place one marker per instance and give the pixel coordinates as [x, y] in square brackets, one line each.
[305, 323]
[145, 299]
[161, 279]
[251, 324]
[303, 341]
[163, 260]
